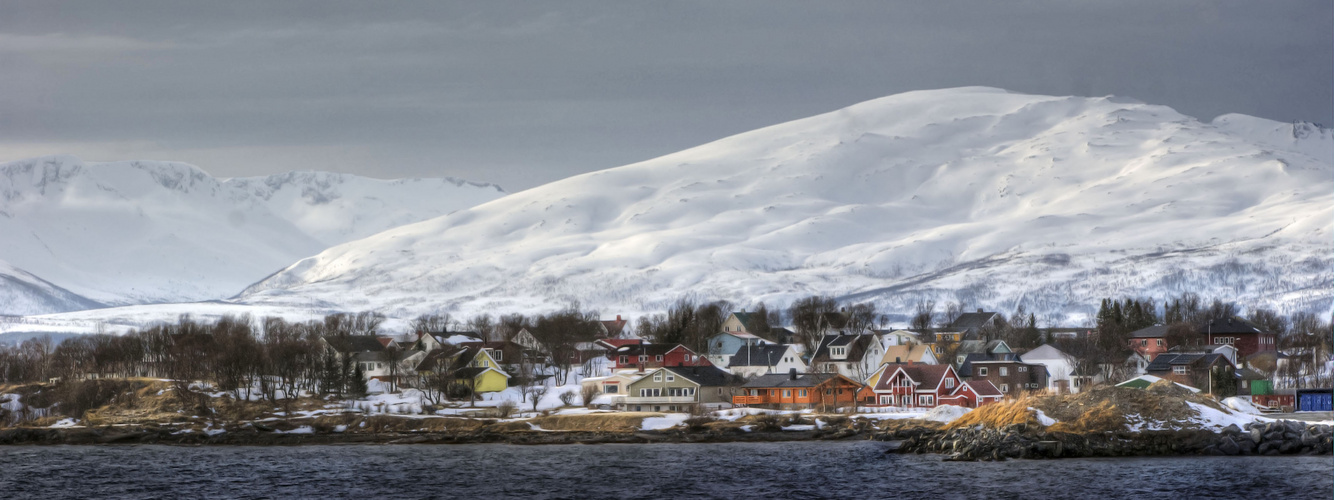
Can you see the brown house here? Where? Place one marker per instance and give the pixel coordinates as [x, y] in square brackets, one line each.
[1008, 375]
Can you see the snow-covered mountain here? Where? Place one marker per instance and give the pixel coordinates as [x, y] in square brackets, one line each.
[78, 235]
[977, 195]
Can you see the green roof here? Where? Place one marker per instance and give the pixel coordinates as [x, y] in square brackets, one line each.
[1135, 383]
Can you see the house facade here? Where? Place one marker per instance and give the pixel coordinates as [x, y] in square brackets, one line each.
[1150, 342]
[799, 391]
[1010, 376]
[1248, 338]
[853, 356]
[651, 356]
[1060, 367]
[678, 388]
[723, 345]
[754, 361]
[1196, 370]
[912, 385]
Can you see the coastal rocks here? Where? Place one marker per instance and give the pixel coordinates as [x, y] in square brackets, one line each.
[979, 443]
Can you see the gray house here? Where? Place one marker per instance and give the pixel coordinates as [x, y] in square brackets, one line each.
[678, 388]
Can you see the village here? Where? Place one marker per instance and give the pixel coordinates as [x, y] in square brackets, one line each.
[830, 363]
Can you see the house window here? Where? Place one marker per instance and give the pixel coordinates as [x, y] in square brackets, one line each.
[1005, 388]
[671, 378]
[1005, 371]
[1179, 370]
[1144, 342]
[949, 383]
[982, 371]
[926, 400]
[610, 388]
[657, 377]
[787, 393]
[773, 392]
[802, 393]
[643, 358]
[839, 351]
[625, 359]
[886, 400]
[658, 358]
[830, 367]
[1023, 369]
[499, 355]
[1160, 342]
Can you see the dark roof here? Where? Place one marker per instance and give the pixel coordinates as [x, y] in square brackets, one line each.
[857, 345]
[1230, 324]
[1154, 331]
[469, 372]
[705, 376]
[438, 357]
[972, 321]
[353, 343]
[744, 318]
[1165, 361]
[1249, 374]
[758, 355]
[928, 376]
[786, 380]
[779, 334]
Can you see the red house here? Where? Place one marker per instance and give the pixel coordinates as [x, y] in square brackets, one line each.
[649, 356]
[973, 394]
[1239, 333]
[913, 385]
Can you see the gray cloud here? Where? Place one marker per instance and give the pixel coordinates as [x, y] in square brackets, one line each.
[524, 93]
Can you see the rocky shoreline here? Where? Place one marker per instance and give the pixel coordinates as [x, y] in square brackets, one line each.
[257, 437]
[1283, 437]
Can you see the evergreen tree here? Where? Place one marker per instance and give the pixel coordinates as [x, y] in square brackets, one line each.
[356, 383]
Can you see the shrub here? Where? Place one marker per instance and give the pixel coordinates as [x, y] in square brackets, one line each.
[505, 409]
[588, 393]
[768, 422]
[699, 423]
[567, 397]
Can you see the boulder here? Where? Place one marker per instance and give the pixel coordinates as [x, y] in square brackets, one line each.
[1229, 447]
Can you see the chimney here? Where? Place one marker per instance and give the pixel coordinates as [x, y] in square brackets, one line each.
[641, 368]
[979, 310]
[897, 361]
[791, 373]
[910, 362]
[618, 317]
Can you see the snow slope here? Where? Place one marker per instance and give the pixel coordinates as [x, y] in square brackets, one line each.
[78, 234]
[969, 194]
[973, 194]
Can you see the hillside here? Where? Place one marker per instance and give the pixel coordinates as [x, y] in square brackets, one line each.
[79, 235]
[976, 195]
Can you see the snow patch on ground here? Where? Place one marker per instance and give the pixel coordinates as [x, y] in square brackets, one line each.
[65, 423]
[945, 413]
[799, 427]
[1241, 405]
[1043, 418]
[664, 422]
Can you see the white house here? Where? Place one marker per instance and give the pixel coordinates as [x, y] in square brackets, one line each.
[756, 360]
[1060, 367]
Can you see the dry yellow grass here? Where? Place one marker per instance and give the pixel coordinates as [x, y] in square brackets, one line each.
[592, 422]
[997, 415]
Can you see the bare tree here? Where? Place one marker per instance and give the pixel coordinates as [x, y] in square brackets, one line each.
[807, 318]
[539, 391]
[432, 323]
[924, 315]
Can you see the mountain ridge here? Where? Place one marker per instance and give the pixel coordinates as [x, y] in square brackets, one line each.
[848, 202]
[117, 233]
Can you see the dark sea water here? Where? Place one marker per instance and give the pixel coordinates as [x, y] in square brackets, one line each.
[736, 470]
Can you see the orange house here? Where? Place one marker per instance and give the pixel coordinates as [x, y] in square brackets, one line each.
[794, 391]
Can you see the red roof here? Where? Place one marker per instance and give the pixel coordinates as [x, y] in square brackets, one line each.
[385, 341]
[614, 326]
[984, 388]
[927, 376]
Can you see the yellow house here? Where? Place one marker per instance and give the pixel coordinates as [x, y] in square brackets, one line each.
[483, 373]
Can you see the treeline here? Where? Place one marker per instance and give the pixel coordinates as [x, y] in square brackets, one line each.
[272, 357]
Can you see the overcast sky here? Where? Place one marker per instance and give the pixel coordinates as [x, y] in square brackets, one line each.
[525, 93]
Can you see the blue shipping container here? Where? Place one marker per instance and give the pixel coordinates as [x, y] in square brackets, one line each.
[1314, 401]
